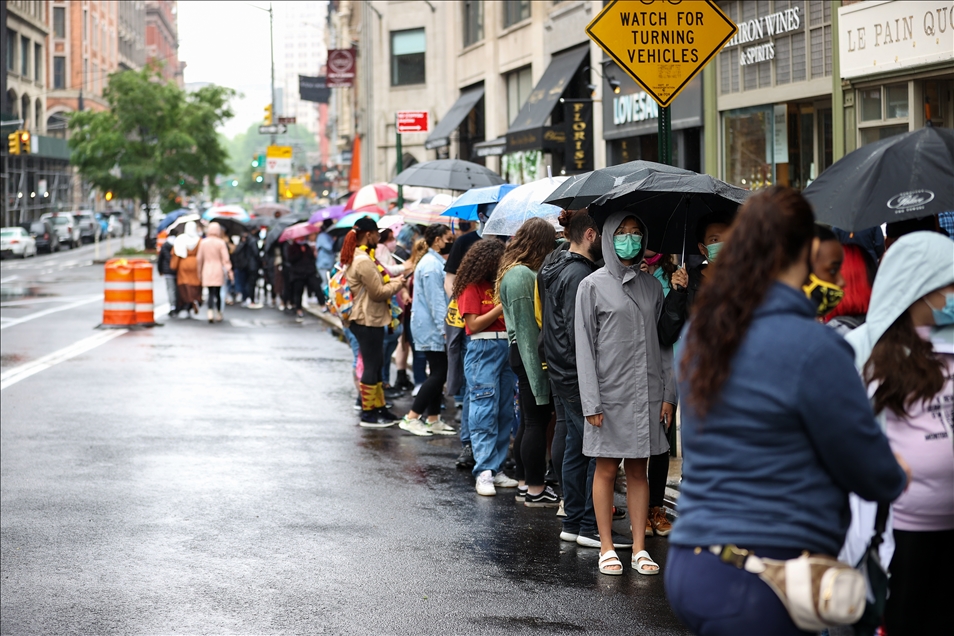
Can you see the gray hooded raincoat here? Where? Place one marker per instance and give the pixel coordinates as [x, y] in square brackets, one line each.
[624, 372]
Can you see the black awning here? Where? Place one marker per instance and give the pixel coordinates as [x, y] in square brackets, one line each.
[528, 130]
[492, 148]
[457, 113]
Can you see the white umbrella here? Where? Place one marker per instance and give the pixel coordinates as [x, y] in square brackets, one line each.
[522, 203]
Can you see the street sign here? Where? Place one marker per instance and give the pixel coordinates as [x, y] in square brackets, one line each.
[274, 129]
[412, 121]
[287, 120]
[341, 67]
[661, 44]
[278, 160]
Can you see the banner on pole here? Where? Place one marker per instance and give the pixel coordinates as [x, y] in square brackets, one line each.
[578, 115]
[313, 89]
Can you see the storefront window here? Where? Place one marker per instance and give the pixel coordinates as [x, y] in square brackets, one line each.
[748, 135]
[869, 135]
[896, 101]
[871, 104]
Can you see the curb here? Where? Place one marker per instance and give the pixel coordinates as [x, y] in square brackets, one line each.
[330, 321]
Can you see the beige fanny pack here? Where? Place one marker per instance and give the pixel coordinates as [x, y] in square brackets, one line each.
[818, 591]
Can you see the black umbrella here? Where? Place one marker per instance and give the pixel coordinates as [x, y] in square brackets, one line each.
[275, 231]
[904, 177]
[231, 226]
[670, 205]
[449, 174]
[580, 191]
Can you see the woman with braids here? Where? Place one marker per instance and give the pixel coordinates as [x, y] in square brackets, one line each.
[516, 282]
[427, 320]
[905, 353]
[627, 390]
[490, 379]
[372, 289]
[777, 428]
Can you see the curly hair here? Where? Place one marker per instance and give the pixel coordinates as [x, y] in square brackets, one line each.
[772, 230]
[905, 367]
[529, 246]
[479, 264]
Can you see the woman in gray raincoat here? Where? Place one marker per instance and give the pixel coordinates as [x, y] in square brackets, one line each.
[627, 388]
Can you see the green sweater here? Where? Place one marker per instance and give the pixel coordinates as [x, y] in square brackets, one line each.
[516, 296]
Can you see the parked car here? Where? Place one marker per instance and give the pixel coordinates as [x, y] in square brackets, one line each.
[15, 241]
[45, 236]
[89, 228]
[66, 227]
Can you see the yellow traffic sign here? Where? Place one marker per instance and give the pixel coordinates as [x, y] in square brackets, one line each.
[279, 152]
[662, 44]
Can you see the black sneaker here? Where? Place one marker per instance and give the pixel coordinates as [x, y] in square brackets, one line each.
[521, 495]
[546, 499]
[465, 461]
[357, 404]
[619, 513]
[393, 393]
[374, 419]
[384, 413]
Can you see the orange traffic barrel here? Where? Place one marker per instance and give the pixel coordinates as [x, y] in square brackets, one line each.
[142, 286]
[119, 306]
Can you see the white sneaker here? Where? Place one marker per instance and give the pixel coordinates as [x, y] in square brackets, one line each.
[440, 427]
[254, 305]
[485, 484]
[502, 481]
[414, 427]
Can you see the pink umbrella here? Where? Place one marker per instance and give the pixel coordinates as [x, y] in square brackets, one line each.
[297, 231]
[370, 195]
[425, 214]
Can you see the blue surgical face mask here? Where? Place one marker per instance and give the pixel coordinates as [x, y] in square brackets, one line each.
[713, 250]
[944, 315]
[627, 246]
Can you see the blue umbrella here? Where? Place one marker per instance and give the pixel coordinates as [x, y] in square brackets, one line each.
[466, 206]
[170, 218]
[347, 222]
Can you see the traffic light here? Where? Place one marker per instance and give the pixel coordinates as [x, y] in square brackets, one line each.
[268, 115]
[13, 143]
[258, 161]
[109, 195]
[24, 141]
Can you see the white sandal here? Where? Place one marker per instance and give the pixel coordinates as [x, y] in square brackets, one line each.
[641, 561]
[608, 560]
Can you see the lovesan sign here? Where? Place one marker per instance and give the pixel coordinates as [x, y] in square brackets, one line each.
[764, 27]
[634, 107]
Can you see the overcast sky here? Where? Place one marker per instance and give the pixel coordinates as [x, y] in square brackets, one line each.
[226, 43]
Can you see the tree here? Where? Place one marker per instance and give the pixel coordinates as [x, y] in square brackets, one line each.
[155, 140]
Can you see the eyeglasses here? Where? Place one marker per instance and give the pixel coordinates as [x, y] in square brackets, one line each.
[622, 233]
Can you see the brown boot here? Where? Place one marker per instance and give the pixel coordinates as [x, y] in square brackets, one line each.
[660, 522]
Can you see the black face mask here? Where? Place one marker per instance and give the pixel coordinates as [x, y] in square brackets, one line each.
[447, 248]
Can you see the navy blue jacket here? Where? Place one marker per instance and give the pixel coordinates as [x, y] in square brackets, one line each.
[791, 434]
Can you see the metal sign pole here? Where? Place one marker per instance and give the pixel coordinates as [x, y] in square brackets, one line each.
[400, 162]
[665, 136]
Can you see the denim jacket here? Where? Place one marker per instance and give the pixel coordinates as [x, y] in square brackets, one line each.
[429, 308]
[326, 252]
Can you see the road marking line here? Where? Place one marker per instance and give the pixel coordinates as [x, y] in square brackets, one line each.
[22, 372]
[47, 312]
[40, 299]
[8, 279]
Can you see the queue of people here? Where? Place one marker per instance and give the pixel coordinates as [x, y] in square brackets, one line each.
[595, 339]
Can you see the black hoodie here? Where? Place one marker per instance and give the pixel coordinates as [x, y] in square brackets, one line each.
[559, 278]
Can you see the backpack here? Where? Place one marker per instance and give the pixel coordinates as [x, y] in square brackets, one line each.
[340, 298]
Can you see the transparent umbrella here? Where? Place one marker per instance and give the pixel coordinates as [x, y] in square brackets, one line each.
[522, 203]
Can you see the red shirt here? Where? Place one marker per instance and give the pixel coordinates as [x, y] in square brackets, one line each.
[478, 299]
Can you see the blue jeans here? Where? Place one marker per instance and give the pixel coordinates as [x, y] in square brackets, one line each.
[577, 471]
[419, 366]
[355, 350]
[465, 414]
[713, 598]
[490, 397]
[390, 344]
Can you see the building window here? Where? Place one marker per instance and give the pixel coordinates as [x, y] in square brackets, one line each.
[515, 11]
[11, 50]
[407, 57]
[749, 147]
[519, 86]
[38, 62]
[59, 72]
[882, 105]
[24, 57]
[59, 22]
[473, 21]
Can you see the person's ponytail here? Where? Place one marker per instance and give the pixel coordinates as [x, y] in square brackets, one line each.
[768, 235]
[348, 247]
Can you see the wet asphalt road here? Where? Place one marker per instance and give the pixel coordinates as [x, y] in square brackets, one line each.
[199, 478]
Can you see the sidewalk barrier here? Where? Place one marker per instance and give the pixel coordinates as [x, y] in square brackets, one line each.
[119, 302]
[142, 286]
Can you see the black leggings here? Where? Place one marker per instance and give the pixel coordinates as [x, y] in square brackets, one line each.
[432, 391]
[921, 584]
[658, 474]
[215, 298]
[298, 286]
[371, 345]
[530, 445]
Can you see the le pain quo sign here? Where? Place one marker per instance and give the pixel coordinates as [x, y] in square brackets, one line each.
[412, 121]
[661, 44]
[578, 117]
